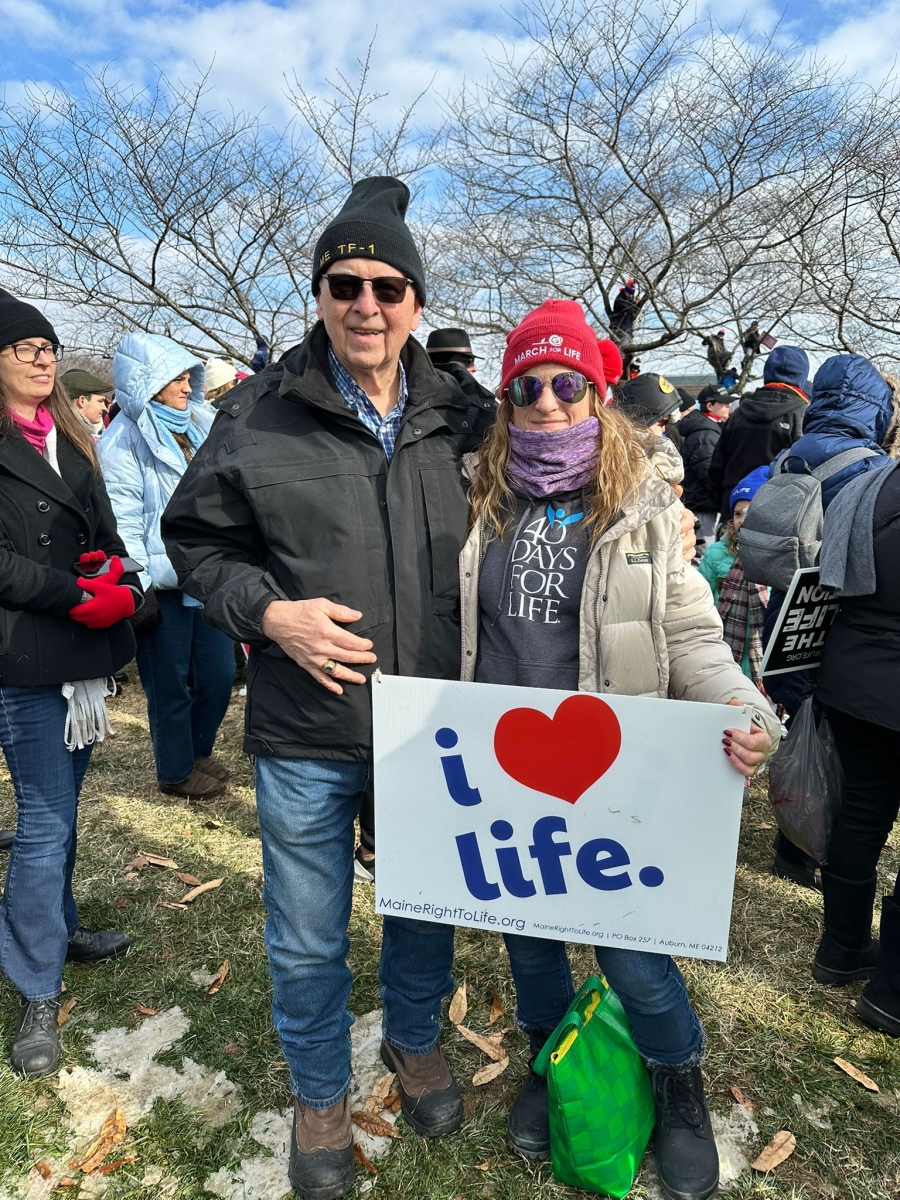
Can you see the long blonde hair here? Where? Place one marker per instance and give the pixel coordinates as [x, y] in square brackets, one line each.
[621, 465]
[68, 424]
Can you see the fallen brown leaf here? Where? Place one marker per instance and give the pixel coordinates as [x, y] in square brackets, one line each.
[137, 863]
[260, 880]
[199, 891]
[144, 1010]
[188, 880]
[43, 1169]
[157, 860]
[496, 1038]
[170, 904]
[765, 825]
[131, 875]
[781, 1147]
[221, 976]
[855, 1073]
[233, 1049]
[491, 1071]
[122, 902]
[65, 1011]
[496, 1008]
[112, 1132]
[393, 1102]
[376, 1126]
[741, 1098]
[459, 1005]
[485, 1166]
[485, 1045]
[108, 1168]
[362, 1160]
[379, 1095]
[186, 831]
[67, 1183]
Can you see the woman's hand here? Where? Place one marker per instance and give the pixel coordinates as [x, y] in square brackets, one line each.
[746, 751]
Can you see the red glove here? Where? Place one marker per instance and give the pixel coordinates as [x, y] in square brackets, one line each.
[112, 601]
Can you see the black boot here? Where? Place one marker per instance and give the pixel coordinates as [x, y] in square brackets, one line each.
[90, 946]
[429, 1095]
[847, 950]
[686, 1154]
[36, 1050]
[322, 1164]
[879, 1004]
[529, 1117]
[791, 863]
[7, 837]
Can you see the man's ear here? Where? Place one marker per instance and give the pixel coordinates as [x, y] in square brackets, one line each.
[416, 317]
[79, 401]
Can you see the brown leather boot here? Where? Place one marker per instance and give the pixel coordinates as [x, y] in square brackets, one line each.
[322, 1164]
[197, 786]
[212, 767]
[429, 1095]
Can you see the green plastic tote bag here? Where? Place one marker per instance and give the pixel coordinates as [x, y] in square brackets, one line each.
[598, 1090]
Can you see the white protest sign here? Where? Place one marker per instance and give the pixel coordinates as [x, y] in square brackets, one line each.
[611, 820]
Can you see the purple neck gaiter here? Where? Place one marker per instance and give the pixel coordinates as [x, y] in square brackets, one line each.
[545, 462]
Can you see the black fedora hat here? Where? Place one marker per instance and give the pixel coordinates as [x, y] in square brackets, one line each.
[449, 341]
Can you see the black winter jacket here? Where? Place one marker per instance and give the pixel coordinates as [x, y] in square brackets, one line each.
[860, 671]
[766, 422]
[291, 497]
[46, 522]
[701, 435]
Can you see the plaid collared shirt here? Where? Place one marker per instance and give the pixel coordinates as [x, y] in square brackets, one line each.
[384, 428]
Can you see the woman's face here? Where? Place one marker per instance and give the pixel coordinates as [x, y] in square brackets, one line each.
[177, 393]
[549, 412]
[28, 383]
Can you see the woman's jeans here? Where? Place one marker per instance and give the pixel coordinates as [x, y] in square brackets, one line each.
[187, 669]
[38, 911]
[870, 796]
[664, 1026]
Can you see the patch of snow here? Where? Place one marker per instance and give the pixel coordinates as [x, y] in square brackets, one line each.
[817, 1115]
[732, 1131]
[203, 978]
[265, 1178]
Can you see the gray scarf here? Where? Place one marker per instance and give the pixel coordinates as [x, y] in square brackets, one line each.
[847, 560]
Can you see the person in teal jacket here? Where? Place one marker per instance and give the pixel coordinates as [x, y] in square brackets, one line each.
[741, 605]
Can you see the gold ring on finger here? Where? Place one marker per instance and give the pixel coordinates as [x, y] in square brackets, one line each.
[329, 666]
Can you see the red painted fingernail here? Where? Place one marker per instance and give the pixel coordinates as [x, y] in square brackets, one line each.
[727, 752]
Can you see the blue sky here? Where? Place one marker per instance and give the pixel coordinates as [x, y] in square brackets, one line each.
[256, 43]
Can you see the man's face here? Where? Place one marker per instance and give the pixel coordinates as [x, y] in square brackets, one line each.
[720, 411]
[366, 335]
[93, 408]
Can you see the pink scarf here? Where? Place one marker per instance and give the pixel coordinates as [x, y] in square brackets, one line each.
[36, 431]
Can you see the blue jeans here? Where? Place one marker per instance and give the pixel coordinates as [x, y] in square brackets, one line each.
[306, 812]
[187, 669]
[38, 911]
[664, 1026]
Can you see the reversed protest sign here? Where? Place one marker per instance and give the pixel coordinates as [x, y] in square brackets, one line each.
[611, 820]
[798, 640]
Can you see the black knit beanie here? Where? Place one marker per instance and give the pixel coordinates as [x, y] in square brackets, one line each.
[372, 224]
[19, 320]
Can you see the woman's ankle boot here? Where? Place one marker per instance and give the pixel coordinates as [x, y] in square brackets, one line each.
[879, 1004]
[847, 950]
[529, 1117]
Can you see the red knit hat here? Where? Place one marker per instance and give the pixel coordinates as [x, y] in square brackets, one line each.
[612, 360]
[554, 333]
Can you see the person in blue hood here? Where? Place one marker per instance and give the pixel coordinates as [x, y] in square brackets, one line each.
[852, 407]
[186, 666]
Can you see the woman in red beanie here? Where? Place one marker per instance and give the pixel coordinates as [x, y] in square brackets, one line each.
[63, 630]
[563, 479]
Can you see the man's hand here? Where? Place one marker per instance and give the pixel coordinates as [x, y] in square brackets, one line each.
[688, 537]
[746, 751]
[306, 631]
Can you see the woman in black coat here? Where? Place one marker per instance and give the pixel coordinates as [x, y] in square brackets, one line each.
[859, 685]
[64, 604]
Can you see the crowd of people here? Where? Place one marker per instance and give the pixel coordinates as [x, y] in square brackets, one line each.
[357, 504]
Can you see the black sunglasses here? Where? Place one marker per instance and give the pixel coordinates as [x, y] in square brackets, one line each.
[387, 289]
[568, 386]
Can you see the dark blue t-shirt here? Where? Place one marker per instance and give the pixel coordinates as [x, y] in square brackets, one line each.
[529, 596]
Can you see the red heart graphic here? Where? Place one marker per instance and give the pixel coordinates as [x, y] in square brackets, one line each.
[560, 755]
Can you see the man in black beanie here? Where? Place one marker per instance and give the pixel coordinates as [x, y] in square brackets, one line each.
[321, 523]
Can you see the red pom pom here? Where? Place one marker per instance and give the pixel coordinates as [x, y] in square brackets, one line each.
[92, 557]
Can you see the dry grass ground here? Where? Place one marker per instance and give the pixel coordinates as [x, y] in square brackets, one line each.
[773, 1033]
